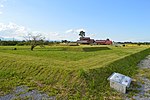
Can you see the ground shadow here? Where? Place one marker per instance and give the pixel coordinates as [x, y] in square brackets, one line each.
[90, 49]
[84, 49]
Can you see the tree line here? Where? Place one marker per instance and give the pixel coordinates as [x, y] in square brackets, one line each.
[25, 43]
[39, 40]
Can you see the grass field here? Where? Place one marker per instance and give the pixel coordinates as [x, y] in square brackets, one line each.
[67, 72]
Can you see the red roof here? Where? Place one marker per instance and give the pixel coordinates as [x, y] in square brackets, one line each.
[103, 42]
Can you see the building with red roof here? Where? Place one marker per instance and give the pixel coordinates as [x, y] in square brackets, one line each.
[87, 40]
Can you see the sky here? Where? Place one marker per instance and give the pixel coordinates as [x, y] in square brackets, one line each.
[118, 20]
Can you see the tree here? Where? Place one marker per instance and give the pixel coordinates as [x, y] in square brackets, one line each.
[64, 41]
[139, 44]
[107, 39]
[35, 40]
[82, 34]
[0, 42]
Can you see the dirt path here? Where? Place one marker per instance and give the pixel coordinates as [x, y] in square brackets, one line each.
[143, 88]
[24, 93]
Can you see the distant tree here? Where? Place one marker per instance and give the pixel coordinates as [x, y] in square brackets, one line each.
[46, 42]
[107, 39]
[0, 42]
[82, 34]
[35, 40]
[139, 44]
[64, 41]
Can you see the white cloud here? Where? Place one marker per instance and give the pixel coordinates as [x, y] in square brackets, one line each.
[12, 30]
[55, 34]
[2, 2]
[91, 35]
[67, 35]
[70, 31]
[52, 36]
[75, 30]
[18, 32]
[73, 34]
[141, 39]
[1, 5]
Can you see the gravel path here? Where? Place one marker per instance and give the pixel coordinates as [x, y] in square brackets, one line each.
[24, 93]
[143, 82]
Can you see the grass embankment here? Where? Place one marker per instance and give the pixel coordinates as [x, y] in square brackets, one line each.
[97, 78]
[67, 72]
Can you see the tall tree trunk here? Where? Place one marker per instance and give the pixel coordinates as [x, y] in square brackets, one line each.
[32, 47]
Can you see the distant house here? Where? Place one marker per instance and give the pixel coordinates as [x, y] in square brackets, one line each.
[103, 42]
[85, 40]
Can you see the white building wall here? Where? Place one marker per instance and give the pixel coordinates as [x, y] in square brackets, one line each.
[117, 86]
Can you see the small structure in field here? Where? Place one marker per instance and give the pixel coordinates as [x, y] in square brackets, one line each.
[14, 48]
[119, 82]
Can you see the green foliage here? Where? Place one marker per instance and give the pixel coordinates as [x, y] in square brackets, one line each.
[82, 33]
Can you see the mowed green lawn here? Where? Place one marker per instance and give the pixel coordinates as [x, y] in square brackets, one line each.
[85, 57]
[56, 70]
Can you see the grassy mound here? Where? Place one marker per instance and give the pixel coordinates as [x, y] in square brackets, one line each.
[67, 72]
[96, 79]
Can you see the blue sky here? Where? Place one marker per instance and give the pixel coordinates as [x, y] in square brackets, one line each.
[119, 20]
